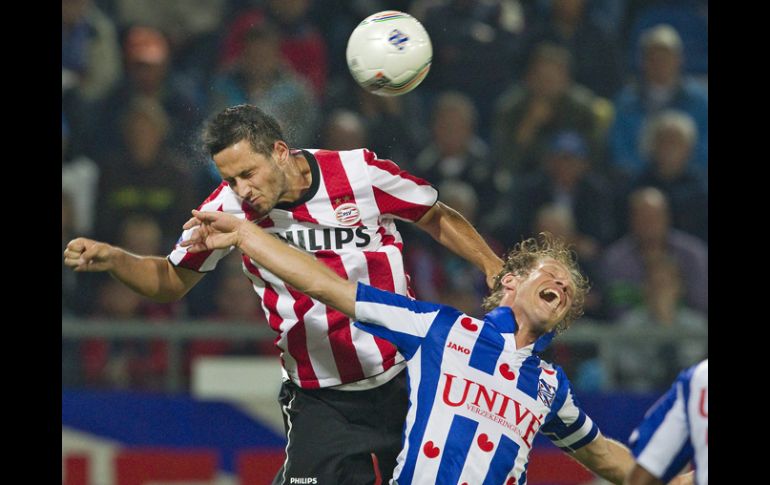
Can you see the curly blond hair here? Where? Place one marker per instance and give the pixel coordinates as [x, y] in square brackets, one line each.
[524, 257]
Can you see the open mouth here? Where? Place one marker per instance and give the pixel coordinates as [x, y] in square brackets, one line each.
[550, 296]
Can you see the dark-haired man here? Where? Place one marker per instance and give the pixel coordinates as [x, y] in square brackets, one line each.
[344, 398]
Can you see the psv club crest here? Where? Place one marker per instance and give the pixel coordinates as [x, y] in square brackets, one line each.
[347, 214]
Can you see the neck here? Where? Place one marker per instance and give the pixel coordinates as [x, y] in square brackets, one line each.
[524, 337]
[299, 177]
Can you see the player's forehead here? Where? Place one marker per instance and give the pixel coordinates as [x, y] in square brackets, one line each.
[553, 266]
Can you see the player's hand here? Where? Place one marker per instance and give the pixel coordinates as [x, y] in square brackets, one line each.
[493, 273]
[491, 281]
[684, 479]
[213, 230]
[83, 254]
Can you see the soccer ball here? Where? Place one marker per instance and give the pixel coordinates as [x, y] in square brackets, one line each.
[389, 53]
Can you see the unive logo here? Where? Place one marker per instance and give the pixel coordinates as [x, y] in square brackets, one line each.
[493, 405]
[398, 39]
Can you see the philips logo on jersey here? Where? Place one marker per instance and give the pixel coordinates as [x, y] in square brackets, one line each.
[303, 480]
[327, 238]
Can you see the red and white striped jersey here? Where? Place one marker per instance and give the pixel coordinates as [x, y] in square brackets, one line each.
[347, 219]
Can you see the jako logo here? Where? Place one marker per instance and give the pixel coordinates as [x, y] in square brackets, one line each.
[459, 348]
[304, 480]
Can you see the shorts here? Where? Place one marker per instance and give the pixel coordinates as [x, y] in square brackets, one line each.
[342, 437]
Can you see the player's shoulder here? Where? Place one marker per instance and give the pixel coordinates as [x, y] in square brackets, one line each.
[700, 373]
[550, 369]
[222, 198]
[347, 158]
[697, 371]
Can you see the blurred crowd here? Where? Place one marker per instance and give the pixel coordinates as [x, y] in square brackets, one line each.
[585, 118]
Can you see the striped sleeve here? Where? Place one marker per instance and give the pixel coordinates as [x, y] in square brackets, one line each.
[396, 318]
[222, 199]
[661, 442]
[567, 425]
[397, 192]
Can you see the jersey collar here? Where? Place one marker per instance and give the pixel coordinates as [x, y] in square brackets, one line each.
[503, 319]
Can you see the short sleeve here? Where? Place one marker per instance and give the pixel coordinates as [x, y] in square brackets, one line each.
[567, 425]
[222, 199]
[397, 192]
[396, 318]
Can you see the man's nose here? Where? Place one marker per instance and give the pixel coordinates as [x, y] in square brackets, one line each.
[241, 188]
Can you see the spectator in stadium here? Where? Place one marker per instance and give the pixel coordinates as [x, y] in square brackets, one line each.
[263, 78]
[456, 151]
[567, 178]
[343, 206]
[147, 60]
[595, 51]
[473, 51]
[90, 50]
[185, 23]
[668, 141]
[661, 86]
[650, 365]
[460, 432]
[124, 363]
[90, 66]
[80, 180]
[547, 101]
[651, 236]
[143, 174]
[344, 130]
[127, 363]
[301, 44]
[396, 125]
[674, 432]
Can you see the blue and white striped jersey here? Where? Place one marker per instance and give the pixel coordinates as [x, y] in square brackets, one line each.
[476, 401]
[675, 429]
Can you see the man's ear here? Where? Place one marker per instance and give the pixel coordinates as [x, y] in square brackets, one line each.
[281, 151]
[509, 281]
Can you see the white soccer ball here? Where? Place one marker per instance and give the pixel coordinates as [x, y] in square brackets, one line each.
[389, 53]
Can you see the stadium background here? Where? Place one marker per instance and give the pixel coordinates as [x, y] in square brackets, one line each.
[186, 391]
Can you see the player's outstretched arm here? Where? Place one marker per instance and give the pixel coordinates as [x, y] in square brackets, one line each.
[640, 476]
[216, 230]
[453, 231]
[607, 458]
[151, 276]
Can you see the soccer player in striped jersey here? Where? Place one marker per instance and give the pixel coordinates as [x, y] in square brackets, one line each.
[674, 432]
[479, 393]
[344, 397]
